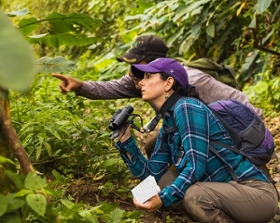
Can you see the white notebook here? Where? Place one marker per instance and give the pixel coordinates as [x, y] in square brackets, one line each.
[145, 190]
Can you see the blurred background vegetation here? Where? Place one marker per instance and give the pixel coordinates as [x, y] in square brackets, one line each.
[70, 134]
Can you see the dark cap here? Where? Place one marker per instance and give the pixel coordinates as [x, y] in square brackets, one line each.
[167, 65]
[144, 46]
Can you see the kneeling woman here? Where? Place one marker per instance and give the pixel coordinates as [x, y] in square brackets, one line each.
[201, 181]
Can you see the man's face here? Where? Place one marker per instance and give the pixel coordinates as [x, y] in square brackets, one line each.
[135, 79]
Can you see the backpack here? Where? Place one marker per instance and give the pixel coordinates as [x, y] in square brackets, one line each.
[252, 139]
[220, 72]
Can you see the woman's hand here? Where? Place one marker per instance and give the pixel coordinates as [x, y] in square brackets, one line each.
[153, 204]
[125, 133]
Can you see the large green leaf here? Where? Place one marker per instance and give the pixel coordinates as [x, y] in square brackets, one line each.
[16, 59]
[71, 22]
[56, 64]
[37, 202]
[60, 39]
[262, 5]
[248, 67]
[34, 182]
[26, 26]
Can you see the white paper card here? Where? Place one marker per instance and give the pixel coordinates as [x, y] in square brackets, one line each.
[145, 190]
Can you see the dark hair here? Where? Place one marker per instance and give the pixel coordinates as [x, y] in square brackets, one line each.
[187, 92]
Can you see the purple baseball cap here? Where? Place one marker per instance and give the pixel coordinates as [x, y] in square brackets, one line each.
[167, 65]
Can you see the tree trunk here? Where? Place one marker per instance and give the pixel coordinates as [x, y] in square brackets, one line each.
[10, 145]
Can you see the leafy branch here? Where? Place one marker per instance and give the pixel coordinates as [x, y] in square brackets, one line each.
[256, 42]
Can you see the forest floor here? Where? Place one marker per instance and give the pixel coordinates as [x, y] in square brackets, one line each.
[89, 192]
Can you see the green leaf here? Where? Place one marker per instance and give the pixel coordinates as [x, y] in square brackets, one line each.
[58, 177]
[22, 193]
[181, 11]
[21, 12]
[186, 44]
[48, 148]
[34, 182]
[175, 37]
[6, 160]
[10, 218]
[3, 205]
[261, 87]
[18, 181]
[210, 29]
[26, 26]
[38, 151]
[56, 64]
[263, 5]
[14, 203]
[248, 67]
[111, 161]
[16, 59]
[72, 22]
[67, 203]
[37, 202]
[116, 215]
[53, 132]
[60, 39]
[196, 28]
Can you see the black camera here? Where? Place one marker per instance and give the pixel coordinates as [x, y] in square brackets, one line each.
[120, 117]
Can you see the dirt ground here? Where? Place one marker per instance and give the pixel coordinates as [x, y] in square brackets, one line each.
[88, 192]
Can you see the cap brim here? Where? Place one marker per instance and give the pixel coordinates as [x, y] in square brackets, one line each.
[130, 58]
[138, 70]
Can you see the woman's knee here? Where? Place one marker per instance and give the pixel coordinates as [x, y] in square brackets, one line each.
[198, 203]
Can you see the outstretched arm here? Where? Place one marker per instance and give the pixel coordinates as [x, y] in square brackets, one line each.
[115, 89]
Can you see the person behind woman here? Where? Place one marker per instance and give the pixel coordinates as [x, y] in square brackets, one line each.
[201, 181]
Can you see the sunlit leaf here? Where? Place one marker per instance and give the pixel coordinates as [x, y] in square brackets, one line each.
[173, 38]
[37, 202]
[21, 12]
[67, 203]
[16, 58]
[34, 182]
[56, 40]
[261, 87]
[22, 193]
[116, 215]
[262, 5]
[181, 11]
[6, 160]
[185, 45]
[56, 64]
[110, 162]
[210, 29]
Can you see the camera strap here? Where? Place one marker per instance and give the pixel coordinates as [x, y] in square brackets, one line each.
[166, 105]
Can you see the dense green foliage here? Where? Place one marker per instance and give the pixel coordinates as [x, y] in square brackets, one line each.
[67, 137]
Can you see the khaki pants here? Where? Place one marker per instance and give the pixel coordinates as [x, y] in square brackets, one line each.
[244, 202]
